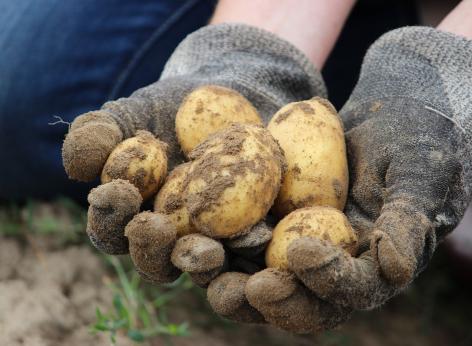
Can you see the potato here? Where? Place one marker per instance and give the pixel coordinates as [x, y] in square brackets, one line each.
[324, 223]
[312, 138]
[233, 181]
[170, 201]
[209, 109]
[142, 160]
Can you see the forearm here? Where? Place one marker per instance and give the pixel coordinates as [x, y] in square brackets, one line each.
[313, 26]
[458, 21]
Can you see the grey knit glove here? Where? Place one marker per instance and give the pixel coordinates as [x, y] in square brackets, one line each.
[409, 129]
[268, 71]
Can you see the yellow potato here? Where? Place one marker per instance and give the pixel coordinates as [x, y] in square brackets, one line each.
[209, 109]
[169, 201]
[142, 160]
[234, 180]
[312, 137]
[325, 223]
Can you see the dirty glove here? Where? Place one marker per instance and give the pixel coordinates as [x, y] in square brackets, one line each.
[409, 128]
[268, 71]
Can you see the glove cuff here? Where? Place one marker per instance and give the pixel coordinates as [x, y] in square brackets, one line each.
[269, 71]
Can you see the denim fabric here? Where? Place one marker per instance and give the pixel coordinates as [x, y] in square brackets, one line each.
[66, 57]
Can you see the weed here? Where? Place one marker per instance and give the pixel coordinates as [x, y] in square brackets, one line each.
[63, 219]
[138, 313]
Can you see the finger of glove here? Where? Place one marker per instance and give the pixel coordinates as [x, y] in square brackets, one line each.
[91, 139]
[152, 237]
[390, 264]
[287, 304]
[335, 276]
[112, 206]
[227, 298]
[252, 243]
[418, 184]
[94, 135]
[401, 242]
[200, 256]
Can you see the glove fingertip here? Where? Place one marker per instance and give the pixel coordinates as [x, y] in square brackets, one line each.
[395, 268]
[151, 240]
[88, 144]
[227, 297]
[112, 206]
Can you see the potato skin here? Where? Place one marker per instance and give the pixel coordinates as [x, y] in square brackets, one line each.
[142, 160]
[170, 201]
[312, 138]
[209, 109]
[233, 180]
[324, 223]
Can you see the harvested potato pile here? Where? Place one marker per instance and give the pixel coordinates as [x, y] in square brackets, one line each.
[214, 213]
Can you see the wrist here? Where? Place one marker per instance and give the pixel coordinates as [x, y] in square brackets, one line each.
[458, 20]
[313, 26]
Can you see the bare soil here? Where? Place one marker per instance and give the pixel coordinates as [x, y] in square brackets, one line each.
[48, 296]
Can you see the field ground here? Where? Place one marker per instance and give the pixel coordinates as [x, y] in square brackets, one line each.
[52, 282]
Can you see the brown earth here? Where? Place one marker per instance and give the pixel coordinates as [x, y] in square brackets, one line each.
[48, 296]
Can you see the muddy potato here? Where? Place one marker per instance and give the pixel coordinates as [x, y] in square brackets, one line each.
[312, 138]
[209, 109]
[324, 223]
[233, 180]
[142, 160]
[170, 201]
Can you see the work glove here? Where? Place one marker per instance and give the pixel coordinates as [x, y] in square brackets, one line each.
[268, 71]
[408, 129]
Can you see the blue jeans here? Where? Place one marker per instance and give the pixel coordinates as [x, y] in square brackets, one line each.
[66, 57]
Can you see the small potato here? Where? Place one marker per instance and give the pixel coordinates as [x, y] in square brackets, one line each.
[142, 160]
[324, 223]
[233, 180]
[209, 109]
[170, 201]
[312, 138]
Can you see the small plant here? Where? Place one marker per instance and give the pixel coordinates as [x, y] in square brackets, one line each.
[138, 313]
[63, 219]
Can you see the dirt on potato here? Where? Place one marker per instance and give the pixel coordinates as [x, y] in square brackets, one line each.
[212, 165]
[141, 160]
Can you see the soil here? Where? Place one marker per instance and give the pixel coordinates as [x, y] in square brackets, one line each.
[48, 296]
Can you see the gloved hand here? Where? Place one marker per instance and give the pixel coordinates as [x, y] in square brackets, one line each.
[268, 71]
[409, 132]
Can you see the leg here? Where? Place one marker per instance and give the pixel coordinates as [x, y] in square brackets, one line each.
[64, 58]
